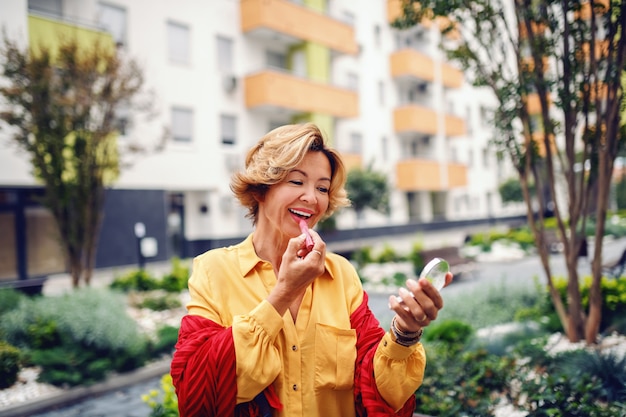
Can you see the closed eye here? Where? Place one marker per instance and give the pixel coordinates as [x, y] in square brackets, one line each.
[323, 190]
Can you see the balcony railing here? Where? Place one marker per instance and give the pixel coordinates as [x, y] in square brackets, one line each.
[276, 90]
[298, 22]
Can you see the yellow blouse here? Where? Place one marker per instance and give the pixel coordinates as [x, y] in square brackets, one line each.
[310, 362]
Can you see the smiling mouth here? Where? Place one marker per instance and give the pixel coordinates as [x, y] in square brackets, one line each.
[301, 214]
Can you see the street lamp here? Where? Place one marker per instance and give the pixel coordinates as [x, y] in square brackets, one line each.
[140, 233]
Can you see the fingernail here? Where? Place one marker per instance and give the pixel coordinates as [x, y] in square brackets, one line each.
[411, 281]
[403, 291]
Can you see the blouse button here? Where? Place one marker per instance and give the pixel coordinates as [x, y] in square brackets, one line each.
[295, 387]
[384, 343]
[294, 348]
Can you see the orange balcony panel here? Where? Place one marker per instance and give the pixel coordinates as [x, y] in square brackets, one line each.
[418, 175]
[537, 28]
[416, 119]
[457, 175]
[299, 22]
[455, 126]
[409, 62]
[539, 141]
[351, 160]
[275, 89]
[601, 50]
[534, 104]
[451, 76]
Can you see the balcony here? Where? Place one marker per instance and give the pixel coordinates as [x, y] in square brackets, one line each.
[451, 77]
[454, 125]
[534, 103]
[418, 119]
[276, 91]
[273, 19]
[427, 175]
[415, 119]
[48, 32]
[413, 64]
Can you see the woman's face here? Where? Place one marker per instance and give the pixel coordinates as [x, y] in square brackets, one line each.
[302, 195]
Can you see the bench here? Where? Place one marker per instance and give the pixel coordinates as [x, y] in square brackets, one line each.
[458, 263]
[615, 268]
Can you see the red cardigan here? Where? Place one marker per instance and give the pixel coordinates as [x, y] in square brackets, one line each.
[203, 371]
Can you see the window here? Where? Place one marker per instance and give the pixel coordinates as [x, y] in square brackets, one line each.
[182, 124]
[381, 93]
[113, 19]
[178, 40]
[384, 152]
[225, 54]
[352, 81]
[51, 7]
[356, 143]
[377, 35]
[228, 126]
[486, 157]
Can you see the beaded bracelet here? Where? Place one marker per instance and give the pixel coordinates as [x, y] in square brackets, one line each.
[404, 338]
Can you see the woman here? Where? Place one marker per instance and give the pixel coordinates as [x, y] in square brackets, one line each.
[279, 328]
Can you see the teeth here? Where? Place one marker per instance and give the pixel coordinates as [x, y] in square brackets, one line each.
[300, 213]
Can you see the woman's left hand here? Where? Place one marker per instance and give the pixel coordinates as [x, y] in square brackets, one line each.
[420, 304]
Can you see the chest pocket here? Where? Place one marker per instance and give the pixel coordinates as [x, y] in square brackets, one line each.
[335, 356]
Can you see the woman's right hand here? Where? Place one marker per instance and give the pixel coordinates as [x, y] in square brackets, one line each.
[297, 270]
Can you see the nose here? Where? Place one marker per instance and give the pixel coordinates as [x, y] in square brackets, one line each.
[308, 195]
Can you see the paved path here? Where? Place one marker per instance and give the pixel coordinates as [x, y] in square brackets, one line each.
[126, 402]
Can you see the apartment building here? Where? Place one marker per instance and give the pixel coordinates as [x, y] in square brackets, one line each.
[224, 72]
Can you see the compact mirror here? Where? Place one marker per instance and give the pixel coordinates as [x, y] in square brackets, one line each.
[435, 272]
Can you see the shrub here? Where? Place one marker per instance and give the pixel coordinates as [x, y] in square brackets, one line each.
[78, 337]
[10, 358]
[177, 279]
[167, 336]
[157, 300]
[139, 280]
[9, 299]
[164, 403]
[613, 303]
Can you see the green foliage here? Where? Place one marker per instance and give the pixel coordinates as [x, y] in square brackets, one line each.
[490, 305]
[141, 280]
[165, 402]
[363, 256]
[368, 188]
[78, 337]
[452, 332]
[167, 336]
[138, 280]
[10, 362]
[388, 254]
[9, 299]
[159, 301]
[460, 382]
[511, 191]
[572, 383]
[613, 299]
[416, 258]
[176, 280]
[620, 194]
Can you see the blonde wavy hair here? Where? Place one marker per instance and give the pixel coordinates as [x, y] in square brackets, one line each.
[278, 153]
